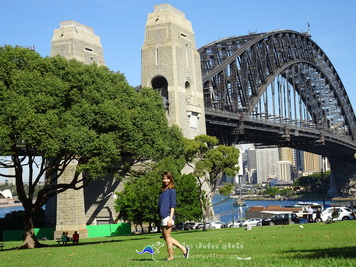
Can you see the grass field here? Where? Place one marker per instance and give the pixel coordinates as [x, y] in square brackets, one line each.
[313, 245]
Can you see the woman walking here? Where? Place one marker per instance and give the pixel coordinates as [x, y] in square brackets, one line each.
[166, 206]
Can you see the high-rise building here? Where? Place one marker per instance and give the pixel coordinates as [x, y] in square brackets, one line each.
[251, 159]
[287, 154]
[265, 162]
[299, 161]
[285, 171]
[242, 177]
[312, 162]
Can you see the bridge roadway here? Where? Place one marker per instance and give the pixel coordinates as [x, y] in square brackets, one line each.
[234, 128]
[242, 128]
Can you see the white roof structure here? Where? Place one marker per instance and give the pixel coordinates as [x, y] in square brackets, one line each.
[6, 194]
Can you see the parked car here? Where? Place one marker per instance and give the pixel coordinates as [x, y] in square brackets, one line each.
[279, 219]
[233, 224]
[251, 222]
[189, 225]
[215, 225]
[199, 226]
[225, 225]
[343, 213]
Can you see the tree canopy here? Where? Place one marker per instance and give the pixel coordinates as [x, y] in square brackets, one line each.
[59, 111]
[315, 183]
[226, 189]
[271, 191]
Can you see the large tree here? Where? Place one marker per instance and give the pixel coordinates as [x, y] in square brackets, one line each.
[210, 162]
[61, 111]
[188, 199]
[316, 183]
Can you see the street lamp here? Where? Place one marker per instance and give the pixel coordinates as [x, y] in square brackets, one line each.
[323, 182]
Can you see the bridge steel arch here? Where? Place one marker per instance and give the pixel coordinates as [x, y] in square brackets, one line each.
[279, 88]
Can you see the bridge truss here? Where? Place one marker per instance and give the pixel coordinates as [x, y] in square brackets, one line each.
[276, 88]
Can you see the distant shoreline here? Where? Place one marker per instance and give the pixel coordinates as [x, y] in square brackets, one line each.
[10, 203]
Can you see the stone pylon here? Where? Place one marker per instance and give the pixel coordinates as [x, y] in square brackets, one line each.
[171, 64]
[70, 212]
[77, 41]
[67, 210]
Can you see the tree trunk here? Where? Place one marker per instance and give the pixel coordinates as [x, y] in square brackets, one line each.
[149, 227]
[206, 209]
[29, 238]
[158, 225]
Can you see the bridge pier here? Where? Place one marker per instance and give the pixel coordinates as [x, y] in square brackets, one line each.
[72, 210]
[70, 213]
[343, 171]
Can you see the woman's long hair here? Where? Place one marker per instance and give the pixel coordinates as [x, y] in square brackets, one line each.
[170, 177]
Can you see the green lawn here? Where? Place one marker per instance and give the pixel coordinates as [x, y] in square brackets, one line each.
[313, 245]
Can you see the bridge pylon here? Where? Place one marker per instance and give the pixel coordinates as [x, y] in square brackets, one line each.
[171, 64]
[74, 40]
[72, 210]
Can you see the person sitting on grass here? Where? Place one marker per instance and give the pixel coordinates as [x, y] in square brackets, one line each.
[334, 215]
[64, 238]
[75, 238]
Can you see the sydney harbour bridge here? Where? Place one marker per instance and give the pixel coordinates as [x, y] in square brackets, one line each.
[274, 89]
[279, 89]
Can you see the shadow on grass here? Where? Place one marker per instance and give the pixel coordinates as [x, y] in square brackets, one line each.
[82, 243]
[344, 252]
[143, 260]
[187, 232]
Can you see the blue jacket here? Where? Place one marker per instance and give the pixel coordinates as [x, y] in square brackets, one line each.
[167, 200]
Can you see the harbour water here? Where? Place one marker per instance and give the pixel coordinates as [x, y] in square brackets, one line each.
[226, 209]
[228, 212]
[5, 210]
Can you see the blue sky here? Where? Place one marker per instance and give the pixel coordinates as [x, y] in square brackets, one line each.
[121, 26]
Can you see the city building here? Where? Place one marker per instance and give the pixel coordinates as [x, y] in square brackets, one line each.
[285, 171]
[265, 162]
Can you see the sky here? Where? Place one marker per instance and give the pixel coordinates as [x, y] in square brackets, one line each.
[121, 26]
